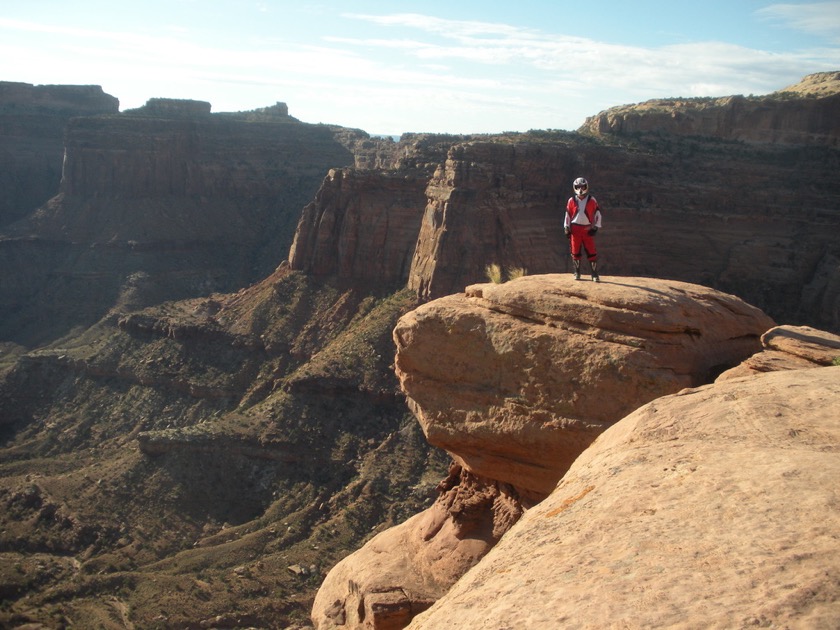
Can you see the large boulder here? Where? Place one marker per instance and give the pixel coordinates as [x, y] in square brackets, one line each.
[515, 380]
[712, 508]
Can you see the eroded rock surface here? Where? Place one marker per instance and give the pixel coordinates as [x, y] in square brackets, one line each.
[405, 569]
[712, 508]
[515, 380]
[789, 348]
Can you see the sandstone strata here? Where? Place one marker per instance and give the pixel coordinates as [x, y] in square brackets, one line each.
[32, 121]
[692, 209]
[712, 508]
[171, 197]
[362, 225]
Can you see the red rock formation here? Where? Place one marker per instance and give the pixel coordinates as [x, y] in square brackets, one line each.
[789, 348]
[492, 203]
[515, 380]
[754, 221]
[362, 225]
[712, 508]
[192, 202]
[405, 569]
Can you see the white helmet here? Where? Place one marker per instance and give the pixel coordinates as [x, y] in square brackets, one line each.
[581, 186]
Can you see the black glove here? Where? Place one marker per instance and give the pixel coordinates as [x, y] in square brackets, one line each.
[592, 231]
[568, 232]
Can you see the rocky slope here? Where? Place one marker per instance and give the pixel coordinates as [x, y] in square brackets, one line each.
[201, 462]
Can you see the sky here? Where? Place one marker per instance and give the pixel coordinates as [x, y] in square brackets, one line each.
[389, 67]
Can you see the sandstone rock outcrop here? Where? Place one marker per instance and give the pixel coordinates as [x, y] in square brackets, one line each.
[712, 508]
[789, 348]
[807, 113]
[406, 568]
[516, 379]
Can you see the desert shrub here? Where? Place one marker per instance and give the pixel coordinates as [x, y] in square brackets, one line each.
[516, 272]
[497, 276]
[494, 273]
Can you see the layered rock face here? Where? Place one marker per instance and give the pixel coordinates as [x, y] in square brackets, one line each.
[170, 197]
[778, 117]
[735, 217]
[714, 507]
[364, 222]
[362, 225]
[514, 381]
[492, 203]
[32, 121]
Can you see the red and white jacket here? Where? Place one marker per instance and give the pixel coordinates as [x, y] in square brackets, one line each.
[591, 214]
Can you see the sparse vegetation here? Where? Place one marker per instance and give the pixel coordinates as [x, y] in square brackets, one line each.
[516, 272]
[496, 275]
[272, 438]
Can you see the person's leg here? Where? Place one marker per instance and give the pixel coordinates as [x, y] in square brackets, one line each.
[576, 242]
[591, 253]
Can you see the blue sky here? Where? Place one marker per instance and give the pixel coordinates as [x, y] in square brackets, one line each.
[460, 66]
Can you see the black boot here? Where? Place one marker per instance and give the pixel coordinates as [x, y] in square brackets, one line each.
[577, 268]
[595, 276]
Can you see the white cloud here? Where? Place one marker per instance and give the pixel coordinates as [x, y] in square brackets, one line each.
[818, 18]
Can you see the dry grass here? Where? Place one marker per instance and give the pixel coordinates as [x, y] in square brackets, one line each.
[496, 275]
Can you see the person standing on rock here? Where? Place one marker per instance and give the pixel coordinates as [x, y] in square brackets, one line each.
[583, 220]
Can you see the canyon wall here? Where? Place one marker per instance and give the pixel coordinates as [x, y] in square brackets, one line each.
[163, 202]
[32, 122]
[737, 217]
